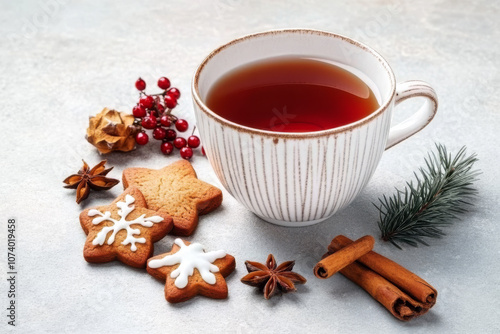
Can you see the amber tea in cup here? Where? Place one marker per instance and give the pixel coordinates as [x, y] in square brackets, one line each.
[294, 122]
[291, 94]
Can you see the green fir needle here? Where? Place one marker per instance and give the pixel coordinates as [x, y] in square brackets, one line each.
[441, 192]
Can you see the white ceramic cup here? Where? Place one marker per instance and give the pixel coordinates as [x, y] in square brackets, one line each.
[299, 179]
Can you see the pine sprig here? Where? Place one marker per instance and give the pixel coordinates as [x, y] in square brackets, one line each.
[441, 192]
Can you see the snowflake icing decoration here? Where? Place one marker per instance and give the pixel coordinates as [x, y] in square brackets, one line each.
[122, 224]
[190, 257]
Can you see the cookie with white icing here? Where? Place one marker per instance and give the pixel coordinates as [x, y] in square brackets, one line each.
[189, 271]
[124, 230]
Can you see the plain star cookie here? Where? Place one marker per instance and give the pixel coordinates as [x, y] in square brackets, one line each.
[176, 190]
[124, 230]
[189, 271]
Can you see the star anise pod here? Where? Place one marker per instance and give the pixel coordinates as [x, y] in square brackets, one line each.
[87, 179]
[271, 278]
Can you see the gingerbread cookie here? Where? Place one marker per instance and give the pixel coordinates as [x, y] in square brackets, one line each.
[176, 190]
[124, 230]
[189, 271]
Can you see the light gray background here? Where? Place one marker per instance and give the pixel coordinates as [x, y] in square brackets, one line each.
[61, 61]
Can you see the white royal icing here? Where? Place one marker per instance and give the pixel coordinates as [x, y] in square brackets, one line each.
[122, 224]
[190, 257]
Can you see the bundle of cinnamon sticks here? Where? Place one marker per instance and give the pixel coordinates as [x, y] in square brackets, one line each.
[402, 292]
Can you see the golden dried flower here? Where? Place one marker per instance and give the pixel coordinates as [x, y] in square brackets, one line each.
[111, 130]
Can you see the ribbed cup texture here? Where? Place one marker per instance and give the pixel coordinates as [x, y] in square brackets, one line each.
[294, 181]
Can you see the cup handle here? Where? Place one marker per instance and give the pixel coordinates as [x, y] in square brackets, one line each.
[418, 120]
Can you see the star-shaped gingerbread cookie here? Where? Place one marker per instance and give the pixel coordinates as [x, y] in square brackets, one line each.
[189, 271]
[124, 230]
[176, 190]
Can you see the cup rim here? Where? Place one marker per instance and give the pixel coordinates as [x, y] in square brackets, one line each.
[276, 134]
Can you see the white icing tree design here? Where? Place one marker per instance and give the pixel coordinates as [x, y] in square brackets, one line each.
[190, 257]
[122, 224]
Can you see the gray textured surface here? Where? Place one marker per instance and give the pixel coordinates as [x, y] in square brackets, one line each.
[61, 63]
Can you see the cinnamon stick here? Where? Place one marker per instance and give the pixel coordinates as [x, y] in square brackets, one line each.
[397, 302]
[331, 264]
[407, 281]
[402, 292]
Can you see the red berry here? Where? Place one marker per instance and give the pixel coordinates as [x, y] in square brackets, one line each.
[203, 151]
[174, 92]
[141, 138]
[170, 101]
[179, 142]
[171, 134]
[193, 141]
[186, 153]
[166, 147]
[140, 84]
[147, 101]
[159, 133]
[165, 120]
[160, 107]
[163, 83]
[181, 125]
[139, 111]
[149, 122]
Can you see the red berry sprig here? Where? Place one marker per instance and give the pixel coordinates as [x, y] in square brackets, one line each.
[140, 84]
[186, 146]
[154, 112]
